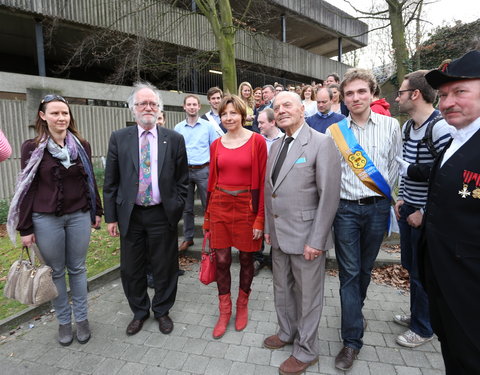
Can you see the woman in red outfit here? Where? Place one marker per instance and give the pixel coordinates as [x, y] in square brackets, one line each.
[235, 215]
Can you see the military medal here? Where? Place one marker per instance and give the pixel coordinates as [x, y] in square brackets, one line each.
[476, 193]
[468, 177]
[464, 192]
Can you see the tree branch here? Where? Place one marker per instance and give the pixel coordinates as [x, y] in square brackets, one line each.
[365, 12]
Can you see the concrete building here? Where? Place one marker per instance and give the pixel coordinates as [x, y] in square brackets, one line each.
[285, 41]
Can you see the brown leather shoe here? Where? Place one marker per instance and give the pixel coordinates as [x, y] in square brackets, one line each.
[135, 326]
[185, 245]
[165, 324]
[274, 342]
[344, 359]
[292, 366]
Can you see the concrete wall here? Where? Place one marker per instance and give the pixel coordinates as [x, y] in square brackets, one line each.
[94, 122]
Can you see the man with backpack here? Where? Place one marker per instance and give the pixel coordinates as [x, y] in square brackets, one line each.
[424, 137]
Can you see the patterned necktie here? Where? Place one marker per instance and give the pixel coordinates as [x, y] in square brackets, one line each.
[281, 159]
[145, 176]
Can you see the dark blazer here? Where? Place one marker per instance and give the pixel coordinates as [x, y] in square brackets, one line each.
[121, 175]
[450, 245]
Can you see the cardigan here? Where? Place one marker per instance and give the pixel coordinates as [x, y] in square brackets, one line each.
[257, 180]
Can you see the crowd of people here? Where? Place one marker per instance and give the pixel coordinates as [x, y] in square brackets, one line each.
[301, 169]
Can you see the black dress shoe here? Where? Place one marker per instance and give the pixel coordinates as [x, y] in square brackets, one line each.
[181, 272]
[165, 324]
[135, 326]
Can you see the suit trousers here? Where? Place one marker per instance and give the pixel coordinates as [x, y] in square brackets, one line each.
[149, 239]
[460, 354]
[298, 286]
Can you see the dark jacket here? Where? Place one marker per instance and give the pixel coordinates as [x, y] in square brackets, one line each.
[121, 175]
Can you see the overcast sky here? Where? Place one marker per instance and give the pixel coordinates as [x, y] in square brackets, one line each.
[443, 11]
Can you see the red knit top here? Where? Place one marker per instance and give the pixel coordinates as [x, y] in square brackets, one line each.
[241, 166]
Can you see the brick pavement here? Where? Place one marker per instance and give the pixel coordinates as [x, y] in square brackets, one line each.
[190, 349]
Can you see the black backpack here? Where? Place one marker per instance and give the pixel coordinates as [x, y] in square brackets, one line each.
[427, 138]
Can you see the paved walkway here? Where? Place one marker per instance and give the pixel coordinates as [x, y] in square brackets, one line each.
[190, 348]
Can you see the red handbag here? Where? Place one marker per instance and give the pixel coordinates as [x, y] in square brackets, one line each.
[208, 265]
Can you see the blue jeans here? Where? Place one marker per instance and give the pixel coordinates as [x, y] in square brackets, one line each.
[409, 238]
[63, 242]
[359, 231]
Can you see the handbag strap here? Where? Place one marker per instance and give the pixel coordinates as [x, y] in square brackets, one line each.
[206, 238]
[25, 250]
[36, 252]
[31, 256]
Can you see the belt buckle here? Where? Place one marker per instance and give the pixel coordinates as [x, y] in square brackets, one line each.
[360, 203]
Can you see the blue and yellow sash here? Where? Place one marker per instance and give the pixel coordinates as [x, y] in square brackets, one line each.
[358, 160]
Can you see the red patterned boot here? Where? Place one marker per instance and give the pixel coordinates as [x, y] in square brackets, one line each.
[241, 319]
[225, 307]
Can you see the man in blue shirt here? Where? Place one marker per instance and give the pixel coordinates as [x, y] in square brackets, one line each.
[321, 120]
[199, 135]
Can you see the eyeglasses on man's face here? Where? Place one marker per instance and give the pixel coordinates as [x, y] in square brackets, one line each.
[143, 105]
[400, 92]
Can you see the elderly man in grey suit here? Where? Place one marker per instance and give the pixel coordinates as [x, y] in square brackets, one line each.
[302, 186]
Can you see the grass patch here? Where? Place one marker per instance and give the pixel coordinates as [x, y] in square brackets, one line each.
[103, 253]
[4, 205]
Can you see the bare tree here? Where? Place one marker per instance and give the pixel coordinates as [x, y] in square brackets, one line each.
[219, 15]
[396, 15]
[139, 53]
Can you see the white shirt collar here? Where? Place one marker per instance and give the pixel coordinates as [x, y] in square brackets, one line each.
[465, 133]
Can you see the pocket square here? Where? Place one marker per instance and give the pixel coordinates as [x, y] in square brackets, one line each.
[301, 160]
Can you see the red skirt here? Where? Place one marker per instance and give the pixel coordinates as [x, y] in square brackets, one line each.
[231, 220]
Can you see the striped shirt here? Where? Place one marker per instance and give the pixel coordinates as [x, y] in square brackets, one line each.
[414, 151]
[381, 139]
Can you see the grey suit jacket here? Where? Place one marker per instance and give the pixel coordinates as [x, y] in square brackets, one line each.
[122, 177]
[300, 208]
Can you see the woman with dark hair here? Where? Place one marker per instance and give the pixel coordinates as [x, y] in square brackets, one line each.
[338, 106]
[56, 201]
[257, 97]
[235, 214]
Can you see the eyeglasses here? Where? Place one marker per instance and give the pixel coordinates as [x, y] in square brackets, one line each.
[52, 97]
[399, 92]
[144, 105]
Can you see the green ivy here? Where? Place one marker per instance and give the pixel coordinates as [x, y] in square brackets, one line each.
[448, 42]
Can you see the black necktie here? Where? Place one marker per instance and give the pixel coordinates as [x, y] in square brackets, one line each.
[281, 159]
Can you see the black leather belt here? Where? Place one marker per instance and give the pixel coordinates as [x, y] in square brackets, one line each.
[147, 207]
[198, 166]
[365, 201]
[233, 192]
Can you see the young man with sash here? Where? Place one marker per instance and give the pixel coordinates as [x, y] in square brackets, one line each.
[369, 144]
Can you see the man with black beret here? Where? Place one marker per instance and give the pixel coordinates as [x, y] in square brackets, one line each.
[450, 253]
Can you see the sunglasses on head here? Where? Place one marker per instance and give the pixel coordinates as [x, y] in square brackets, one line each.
[52, 97]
